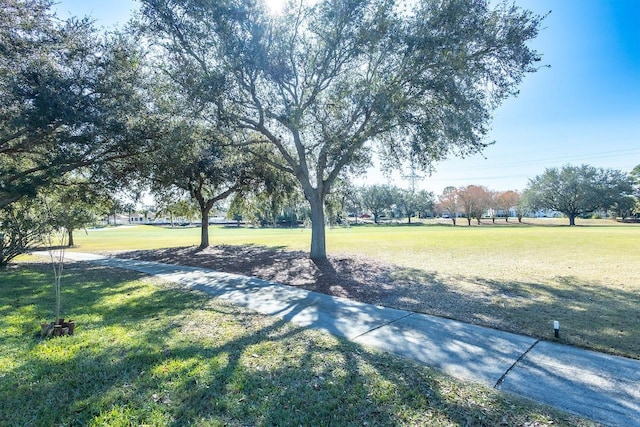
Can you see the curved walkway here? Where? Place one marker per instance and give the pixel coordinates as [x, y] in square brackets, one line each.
[598, 386]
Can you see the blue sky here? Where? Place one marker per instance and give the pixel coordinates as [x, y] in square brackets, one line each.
[584, 109]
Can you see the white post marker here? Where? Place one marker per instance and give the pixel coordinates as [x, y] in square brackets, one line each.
[556, 329]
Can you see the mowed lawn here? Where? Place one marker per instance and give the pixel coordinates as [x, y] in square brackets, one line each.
[514, 277]
[147, 353]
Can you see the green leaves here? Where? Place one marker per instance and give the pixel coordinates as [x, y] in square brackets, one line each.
[71, 99]
[21, 228]
[577, 190]
[325, 81]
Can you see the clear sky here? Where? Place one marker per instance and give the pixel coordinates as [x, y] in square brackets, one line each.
[584, 109]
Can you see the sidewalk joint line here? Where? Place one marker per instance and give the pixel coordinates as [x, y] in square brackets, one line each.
[504, 376]
[381, 326]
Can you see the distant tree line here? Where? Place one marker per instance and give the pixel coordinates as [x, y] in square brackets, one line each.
[574, 191]
[346, 204]
[475, 201]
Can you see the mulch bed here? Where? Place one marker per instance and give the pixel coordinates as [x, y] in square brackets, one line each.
[362, 280]
[356, 278]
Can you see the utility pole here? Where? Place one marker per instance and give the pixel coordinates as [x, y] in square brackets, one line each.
[413, 177]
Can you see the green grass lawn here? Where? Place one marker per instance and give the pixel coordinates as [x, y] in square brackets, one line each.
[513, 277]
[146, 353]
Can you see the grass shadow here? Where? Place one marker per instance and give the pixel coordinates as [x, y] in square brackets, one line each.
[592, 316]
[149, 353]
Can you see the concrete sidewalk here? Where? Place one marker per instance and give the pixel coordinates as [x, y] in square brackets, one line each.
[601, 387]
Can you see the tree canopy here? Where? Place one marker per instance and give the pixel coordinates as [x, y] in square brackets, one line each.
[474, 200]
[377, 199]
[635, 177]
[577, 190]
[507, 200]
[71, 98]
[449, 203]
[197, 160]
[411, 202]
[325, 81]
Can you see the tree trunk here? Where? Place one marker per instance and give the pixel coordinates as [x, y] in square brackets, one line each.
[572, 219]
[204, 228]
[318, 235]
[469, 221]
[71, 238]
[453, 219]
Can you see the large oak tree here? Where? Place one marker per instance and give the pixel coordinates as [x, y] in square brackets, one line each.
[325, 81]
[199, 161]
[198, 154]
[577, 190]
[71, 98]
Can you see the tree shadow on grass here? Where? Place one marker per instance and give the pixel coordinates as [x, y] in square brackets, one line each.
[163, 356]
[592, 315]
